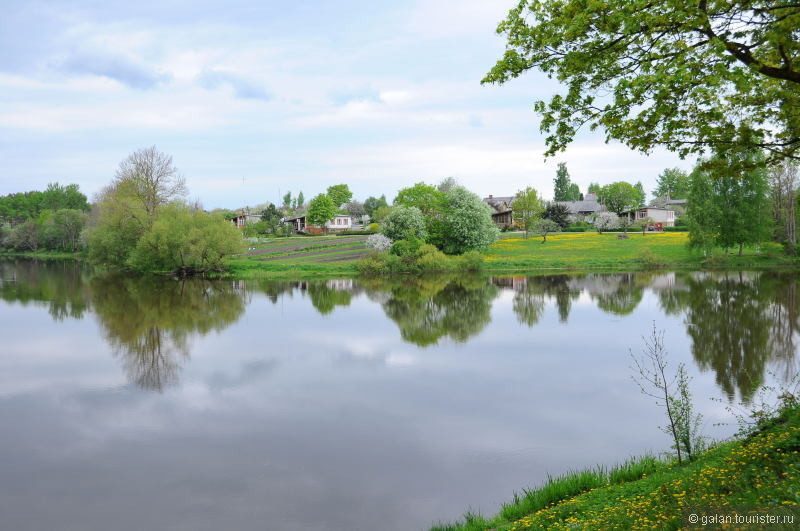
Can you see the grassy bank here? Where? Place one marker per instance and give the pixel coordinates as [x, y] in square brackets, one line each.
[337, 256]
[42, 255]
[762, 469]
[586, 251]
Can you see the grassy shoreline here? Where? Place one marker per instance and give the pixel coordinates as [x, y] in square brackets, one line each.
[331, 256]
[762, 469]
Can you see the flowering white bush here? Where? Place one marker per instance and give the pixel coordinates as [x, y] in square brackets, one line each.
[379, 242]
[606, 221]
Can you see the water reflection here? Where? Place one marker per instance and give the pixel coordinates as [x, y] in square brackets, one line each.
[149, 322]
[740, 325]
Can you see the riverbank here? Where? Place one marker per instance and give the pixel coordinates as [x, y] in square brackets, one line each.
[762, 470]
[338, 256]
[573, 252]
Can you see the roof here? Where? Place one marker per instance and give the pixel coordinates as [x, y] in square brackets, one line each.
[500, 204]
[577, 207]
[676, 201]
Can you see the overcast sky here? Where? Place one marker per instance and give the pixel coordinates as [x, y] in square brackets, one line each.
[254, 98]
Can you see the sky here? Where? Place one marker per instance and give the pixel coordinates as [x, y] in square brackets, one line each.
[256, 98]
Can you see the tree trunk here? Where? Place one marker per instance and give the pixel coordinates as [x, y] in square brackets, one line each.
[741, 246]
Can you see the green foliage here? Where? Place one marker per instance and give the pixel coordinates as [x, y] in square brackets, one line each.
[465, 223]
[404, 223]
[619, 197]
[557, 213]
[561, 183]
[428, 199]
[321, 210]
[593, 188]
[301, 200]
[672, 183]
[406, 247]
[574, 193]
[185, 240]
[641, 195]
[371, 204]
[729, 204]
[19, 207]
[271, 218]
[287, 200]
[381, 212]
[726, 77]
[527, 208]
[339, 194]
[543, 227]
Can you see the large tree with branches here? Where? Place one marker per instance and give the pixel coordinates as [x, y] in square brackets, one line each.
[690, 76]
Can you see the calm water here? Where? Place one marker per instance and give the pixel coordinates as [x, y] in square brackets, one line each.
[140, 404]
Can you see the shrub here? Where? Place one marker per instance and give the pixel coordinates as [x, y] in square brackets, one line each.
[434, 260]
[404, 223]
[473, 261]
[373, 227]
[379, 242]
[378, 264]
[649, 259]
[406, 247]
[606, 221]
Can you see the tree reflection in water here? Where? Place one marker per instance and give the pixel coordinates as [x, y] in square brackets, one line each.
[739, 323]
[149, 322]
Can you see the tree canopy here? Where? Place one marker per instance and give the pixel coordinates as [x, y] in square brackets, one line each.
[321, 210]
[527, 208]
[425, 197]
[672, 183]
[688, 76]
[339, 194]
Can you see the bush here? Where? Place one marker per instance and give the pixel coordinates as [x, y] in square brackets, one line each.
[407, 247]
[473, 261]
[675, 229]
[404, 223]
[373, 227]
[434, 260]
[379, 242]
[573, 228]
[650, 260]
[378, 264]
[354, 232]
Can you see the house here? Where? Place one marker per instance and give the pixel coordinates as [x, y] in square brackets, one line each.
[502, 213]
[339, 223]
[589, 206]
[244, 217]
[662, 217]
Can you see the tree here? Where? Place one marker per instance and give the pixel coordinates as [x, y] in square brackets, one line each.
[425, 197]
[672, 183]
[641, 196]
[301, 200]
[321, 210]
[574, 193]
[606, 221]
[371, 204]
[271, 218]
[447, 184]
[558, 214]
[620, 198]
[527, 208]
[687, 76]
[184, 240]
[561, 183]
[593, 188]
[783, 180]
[702, 213]
[355, 209]
[62, 229]
[404, 223]
[543, 227]
[339, 194]
[151, 178]
[465, 223]
[287, 201]
[381, 212]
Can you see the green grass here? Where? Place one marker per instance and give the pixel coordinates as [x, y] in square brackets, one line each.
[43, 254]
[586, 251]
[762, 469]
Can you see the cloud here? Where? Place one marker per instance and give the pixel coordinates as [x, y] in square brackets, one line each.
[113, 66]
[242, 87]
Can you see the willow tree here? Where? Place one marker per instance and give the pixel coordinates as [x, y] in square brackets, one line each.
[687, 76]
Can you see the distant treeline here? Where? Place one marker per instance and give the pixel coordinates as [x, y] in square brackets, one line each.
[51, 219]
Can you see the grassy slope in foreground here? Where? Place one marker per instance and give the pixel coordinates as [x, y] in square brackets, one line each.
[591, 250]
[760, 470]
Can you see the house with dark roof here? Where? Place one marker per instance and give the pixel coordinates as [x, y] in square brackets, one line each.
[589, 206]
[502, 212]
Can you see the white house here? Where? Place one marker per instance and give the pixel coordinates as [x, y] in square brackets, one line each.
[660, 216]
[339, 223]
